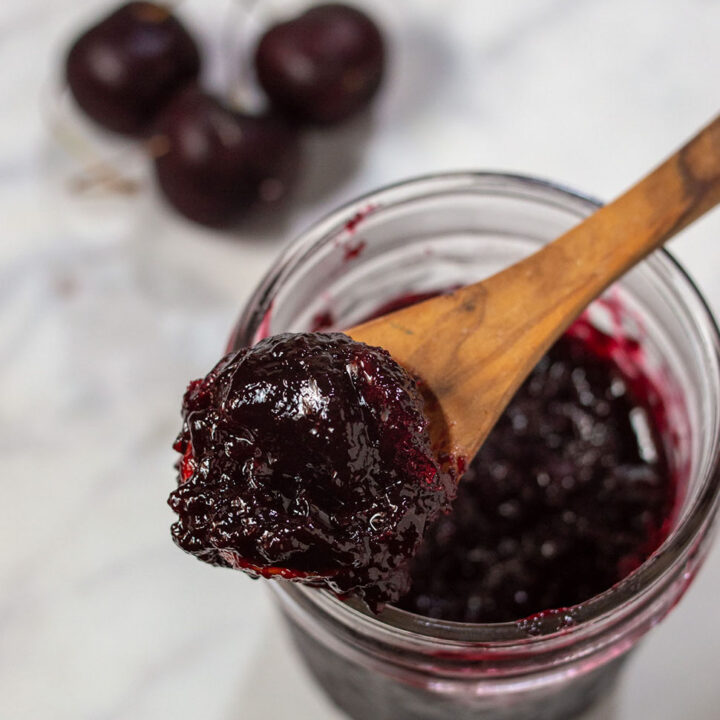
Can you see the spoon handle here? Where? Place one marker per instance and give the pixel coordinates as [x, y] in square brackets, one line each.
[602, 248]
[473, 348]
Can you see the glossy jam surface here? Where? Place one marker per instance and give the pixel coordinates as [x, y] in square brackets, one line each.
[570, 492]
[307, 457]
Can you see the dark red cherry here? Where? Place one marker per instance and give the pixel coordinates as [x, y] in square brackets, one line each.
[213, 163]
[124, 69]
[323, 66]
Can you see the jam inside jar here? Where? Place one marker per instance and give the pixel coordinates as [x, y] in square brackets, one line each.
[533, 614]
[570, 492]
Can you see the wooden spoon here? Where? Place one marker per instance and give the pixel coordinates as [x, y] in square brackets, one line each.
[472, 349]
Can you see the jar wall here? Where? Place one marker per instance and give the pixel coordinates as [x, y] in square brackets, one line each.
[364, 693]
[433, 234]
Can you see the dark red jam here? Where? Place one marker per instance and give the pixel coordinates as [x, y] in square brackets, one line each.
[570, 493]
[307, 457]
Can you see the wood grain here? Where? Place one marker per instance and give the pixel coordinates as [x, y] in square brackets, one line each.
[472, 349]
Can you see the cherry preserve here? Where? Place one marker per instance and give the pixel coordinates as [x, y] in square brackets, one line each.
[307, 457]
[571, 491]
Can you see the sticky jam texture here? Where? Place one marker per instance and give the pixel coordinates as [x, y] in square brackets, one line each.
[307, 457]
[570, 493]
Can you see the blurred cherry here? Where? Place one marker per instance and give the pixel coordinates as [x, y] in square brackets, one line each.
[323, 66]
[213, 164]
[124, 69]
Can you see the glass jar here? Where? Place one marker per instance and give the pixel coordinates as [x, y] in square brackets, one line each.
[447, 230]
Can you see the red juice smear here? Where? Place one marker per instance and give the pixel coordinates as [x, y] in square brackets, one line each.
[355, 221]
[322, 321]
[354, 250]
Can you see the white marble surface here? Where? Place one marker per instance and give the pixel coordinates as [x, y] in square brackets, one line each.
[108, 305]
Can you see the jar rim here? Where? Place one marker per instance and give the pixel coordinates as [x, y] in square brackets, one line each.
[680, 541]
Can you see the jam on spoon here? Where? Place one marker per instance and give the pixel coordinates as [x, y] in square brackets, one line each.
[307, 457]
